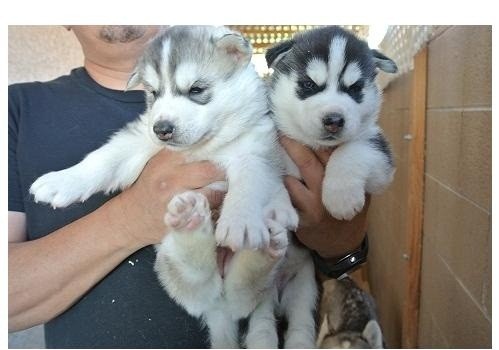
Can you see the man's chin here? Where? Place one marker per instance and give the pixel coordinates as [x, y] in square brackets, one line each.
[121, 34]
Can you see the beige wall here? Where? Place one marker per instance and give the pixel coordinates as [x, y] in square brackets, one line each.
[455, 304]
[41, 53]
[456, 270]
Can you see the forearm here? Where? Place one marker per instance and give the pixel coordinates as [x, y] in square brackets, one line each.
[47, 275]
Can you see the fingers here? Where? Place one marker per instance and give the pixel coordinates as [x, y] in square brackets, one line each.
[168, 164]
[199, 174]
[311, 168]
[323, 155]
[215, 198]
[298, 192]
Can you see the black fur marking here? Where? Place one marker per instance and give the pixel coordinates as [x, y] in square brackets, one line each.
[315, 44]
[384, 63]
[355, 90]
[307, 87]
[276, 50]
[380, 143]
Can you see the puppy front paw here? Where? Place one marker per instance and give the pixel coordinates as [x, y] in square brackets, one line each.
[187, 211]
[278, 239]
[283, 213]
[241, 230]
[61, 188]
[343, 202]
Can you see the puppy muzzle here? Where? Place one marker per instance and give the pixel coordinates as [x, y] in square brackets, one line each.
[333, 123]
[163, 130]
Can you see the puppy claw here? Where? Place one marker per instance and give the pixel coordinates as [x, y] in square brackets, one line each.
[237, 234]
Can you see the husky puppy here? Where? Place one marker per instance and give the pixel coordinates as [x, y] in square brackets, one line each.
[348, 316]
[205, 100]
[323, 94]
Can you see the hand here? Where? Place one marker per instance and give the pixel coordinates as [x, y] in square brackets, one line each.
[166, 174]
[318, 230]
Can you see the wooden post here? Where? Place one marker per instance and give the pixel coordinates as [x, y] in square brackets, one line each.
[414, 228]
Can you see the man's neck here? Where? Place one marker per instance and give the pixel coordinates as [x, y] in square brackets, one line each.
[110, 78]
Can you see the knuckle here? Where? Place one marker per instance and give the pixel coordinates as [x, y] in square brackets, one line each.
[206, 168]
[306, 163]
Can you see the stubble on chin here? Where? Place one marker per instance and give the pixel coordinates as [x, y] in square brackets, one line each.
[121, 34]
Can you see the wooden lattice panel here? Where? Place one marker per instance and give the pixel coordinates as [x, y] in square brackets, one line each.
[263, 36]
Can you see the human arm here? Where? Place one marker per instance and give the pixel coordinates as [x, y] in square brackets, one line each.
[318, 230]
[47, 275]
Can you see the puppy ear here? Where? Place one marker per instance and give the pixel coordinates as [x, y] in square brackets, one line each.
[323, 332]
[277, 52]
[236, 47]
[134, 80]
[372, 333]
[384, 63]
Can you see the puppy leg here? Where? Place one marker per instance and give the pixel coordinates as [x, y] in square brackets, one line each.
[262, 328]
[115, 165]
[186, 259]
[298, 303]
[223, 329]
[251, 180]
[251, 273]
[347, 173]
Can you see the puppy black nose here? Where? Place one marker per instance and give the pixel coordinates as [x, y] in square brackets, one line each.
[333, 122]
[163, 130]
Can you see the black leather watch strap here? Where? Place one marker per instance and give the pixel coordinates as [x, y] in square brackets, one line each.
[336, 268]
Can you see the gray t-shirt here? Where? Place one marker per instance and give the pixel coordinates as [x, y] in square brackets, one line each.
[52, 126]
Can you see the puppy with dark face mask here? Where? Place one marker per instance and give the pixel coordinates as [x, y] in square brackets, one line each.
[323, 94]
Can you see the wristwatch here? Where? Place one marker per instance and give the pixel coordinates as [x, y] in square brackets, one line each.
[346, 263]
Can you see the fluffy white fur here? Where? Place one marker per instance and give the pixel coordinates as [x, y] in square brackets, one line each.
[356, 166]
[234, 131]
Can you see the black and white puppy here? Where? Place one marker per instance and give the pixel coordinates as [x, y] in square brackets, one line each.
[323, 94]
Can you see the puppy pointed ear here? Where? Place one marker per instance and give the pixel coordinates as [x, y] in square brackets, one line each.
[277, 52]
[236, 47]
[134, 80]
[372, 333]
[384, 63]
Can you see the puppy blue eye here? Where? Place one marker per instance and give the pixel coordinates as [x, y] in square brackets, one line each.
[307, 84]
[196, 90]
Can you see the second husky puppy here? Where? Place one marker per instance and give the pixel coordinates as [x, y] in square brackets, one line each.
[324, 94]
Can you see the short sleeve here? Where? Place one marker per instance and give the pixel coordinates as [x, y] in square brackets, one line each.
[15, 193]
